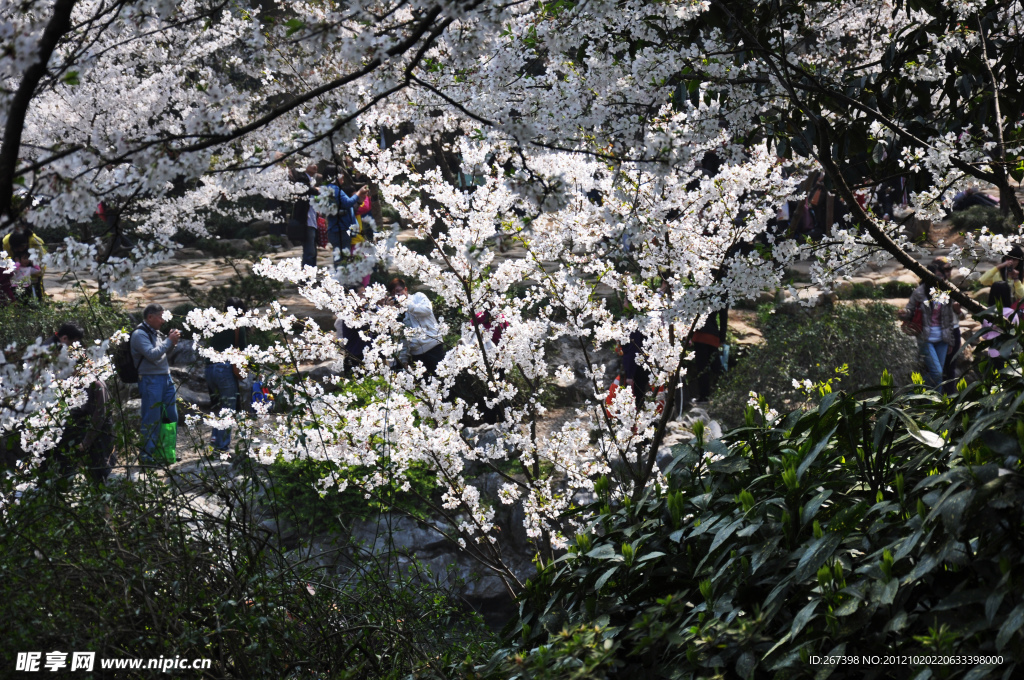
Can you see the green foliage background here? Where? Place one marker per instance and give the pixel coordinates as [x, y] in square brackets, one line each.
[886, 523]
[866, 338]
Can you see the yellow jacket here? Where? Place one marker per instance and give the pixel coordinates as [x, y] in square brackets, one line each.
[38, 244]
[993, 275]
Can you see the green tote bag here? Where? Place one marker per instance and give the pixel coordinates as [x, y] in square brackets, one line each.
[166, 444]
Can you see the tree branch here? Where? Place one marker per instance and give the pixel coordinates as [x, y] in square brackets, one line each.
[59, 24]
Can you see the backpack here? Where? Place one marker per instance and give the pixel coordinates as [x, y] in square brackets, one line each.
[126, 368]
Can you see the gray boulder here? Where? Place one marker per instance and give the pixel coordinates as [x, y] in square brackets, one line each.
[322, 371]
[184, 353]
[406, 535]
[194, 397]
[262, 227]
[239, 244]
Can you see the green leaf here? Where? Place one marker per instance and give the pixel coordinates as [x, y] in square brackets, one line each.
[888, 591]
[925, 565]
[723, 534]
[730, 465]
[802, 617]
[811, 508]
[979, 672]
[762, 555]
[844, 522]
[896, 623]
[826, 670]
[1012, 624]
[746, 664]
[749, 530]
[819, 551]
[70, 78]
[294, 26]
[848, 606]
[992, 604]
[953, 511]
[604, 579]
[815, 452]
[602, 552]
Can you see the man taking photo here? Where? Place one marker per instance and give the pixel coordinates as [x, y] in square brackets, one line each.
[149, 352]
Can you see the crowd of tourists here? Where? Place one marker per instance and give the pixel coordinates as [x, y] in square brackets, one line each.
[935, 320]
[930, 316]
[343, 224]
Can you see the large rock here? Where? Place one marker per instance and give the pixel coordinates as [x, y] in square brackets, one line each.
[808, 301]
[194, 397]
[843, 288]
[189, 254]
[405, 535]
[321, 372]
[263, 227]
[907, 278]
[239, 244]
[184, 353]
[567, 352]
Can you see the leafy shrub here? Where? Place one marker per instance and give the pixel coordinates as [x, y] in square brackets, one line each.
[978, 216]
[870, 526]
[805, 347]
[885, 291]
[140, 570]
[293, 486]
[421, 246]
[896, 289]
[24, 322]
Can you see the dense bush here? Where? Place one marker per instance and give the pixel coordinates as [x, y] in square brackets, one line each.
[805, 346]
[24, 322]
[887, 525]
[293, 486]
[140, 569]
[885, 291]
[978, 216]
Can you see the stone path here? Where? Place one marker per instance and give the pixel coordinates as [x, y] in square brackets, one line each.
[204, 272]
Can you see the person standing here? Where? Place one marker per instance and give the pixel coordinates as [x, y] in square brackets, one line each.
[222, 376]
[707, 361]
[423, 341]
[937, 322]
[89, 432]
[342, 224]
[1000, 298]
[303, 220]
[1009, 269]
[149, 350]
[18, 245]
[638, 378]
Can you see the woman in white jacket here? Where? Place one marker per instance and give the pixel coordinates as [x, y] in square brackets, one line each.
[423, 341]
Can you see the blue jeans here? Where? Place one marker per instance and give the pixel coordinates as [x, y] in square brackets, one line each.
[309, 247]
[158, 406]
[220, 379]
[934, 355]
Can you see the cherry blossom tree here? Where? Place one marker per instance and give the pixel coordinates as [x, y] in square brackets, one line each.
[623, 145]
